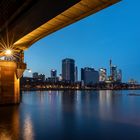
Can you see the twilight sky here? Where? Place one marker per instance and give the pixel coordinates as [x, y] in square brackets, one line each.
[113, 33]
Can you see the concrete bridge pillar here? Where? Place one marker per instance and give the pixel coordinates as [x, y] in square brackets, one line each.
[10, 74]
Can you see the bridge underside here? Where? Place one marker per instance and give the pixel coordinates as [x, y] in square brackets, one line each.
[23, 22]
[27, 21]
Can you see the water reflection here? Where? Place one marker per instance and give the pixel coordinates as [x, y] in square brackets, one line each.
[106, 104]
[9, 123]
[117, 107]
[28, 132]
[72, 114]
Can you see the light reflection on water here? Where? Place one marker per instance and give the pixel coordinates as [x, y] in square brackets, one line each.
[28, 132]
[72, 114]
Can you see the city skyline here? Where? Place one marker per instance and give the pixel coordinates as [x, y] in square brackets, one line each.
[92, 42]
[70, 72]
[69, 69]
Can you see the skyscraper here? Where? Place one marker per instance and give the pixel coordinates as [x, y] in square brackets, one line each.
[76, 74]
[110, 65]
[89, 76]
[119, 75]
[68, 69]
[102, 74]
[114, 73]
[53, 73]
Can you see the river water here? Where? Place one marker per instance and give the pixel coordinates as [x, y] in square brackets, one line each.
[73, 115]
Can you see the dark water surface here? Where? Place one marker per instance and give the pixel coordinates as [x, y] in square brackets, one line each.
[73, 115]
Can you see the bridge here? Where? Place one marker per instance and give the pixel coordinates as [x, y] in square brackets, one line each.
[23, 22]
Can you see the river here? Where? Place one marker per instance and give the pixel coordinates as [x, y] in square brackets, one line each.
[73, 115]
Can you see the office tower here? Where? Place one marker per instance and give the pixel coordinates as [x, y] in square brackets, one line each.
[110, 65]
[102, 75]
[76, 74]
[114, 73]
[35, 75]
[53, 73]
[89, 76]
[119, 75]
[82, 74]
[68, 69]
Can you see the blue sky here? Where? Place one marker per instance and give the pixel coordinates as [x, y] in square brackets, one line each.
[111, 33]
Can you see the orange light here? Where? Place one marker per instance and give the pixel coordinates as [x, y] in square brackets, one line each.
[8, 52]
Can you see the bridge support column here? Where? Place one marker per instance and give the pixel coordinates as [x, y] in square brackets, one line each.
[10, 73]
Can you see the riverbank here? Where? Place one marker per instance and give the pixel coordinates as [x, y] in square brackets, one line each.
[60, 89]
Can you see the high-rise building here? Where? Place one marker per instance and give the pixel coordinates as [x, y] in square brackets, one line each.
[89, 76]
[53, 77]
[76, 74]
[53, 73]
[82, 74]
[35, 75]
[110, 65]
[68, 69]
[119, 75]
[114, 73]
[102, 74]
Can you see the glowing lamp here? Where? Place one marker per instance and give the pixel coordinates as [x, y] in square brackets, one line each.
[8, 52]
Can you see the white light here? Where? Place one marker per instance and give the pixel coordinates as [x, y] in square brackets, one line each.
[8, 52]
[29, 70]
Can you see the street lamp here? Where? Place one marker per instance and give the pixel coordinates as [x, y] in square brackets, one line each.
[8, 52]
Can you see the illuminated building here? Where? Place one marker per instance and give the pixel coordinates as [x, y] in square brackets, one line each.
[89, 76]
[38, 77]
[76, 74]
[60, 77]
[53, 78]
[132, 81]
[53, 73]
[102, 75]
[114, 73]
[41, 77]
[68, 69]
[119, 76]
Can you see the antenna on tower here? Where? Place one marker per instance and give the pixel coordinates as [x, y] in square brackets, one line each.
[110, 64]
